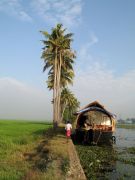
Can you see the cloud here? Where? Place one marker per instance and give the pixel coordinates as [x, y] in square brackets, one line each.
[99, 83]
[95, 81]
[24, 16]
[84, 54]
[93, 39]
[63, 11]
[20, 101]
[15, 8]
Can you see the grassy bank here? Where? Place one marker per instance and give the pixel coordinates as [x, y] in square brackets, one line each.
[126, 126]
[31, 150]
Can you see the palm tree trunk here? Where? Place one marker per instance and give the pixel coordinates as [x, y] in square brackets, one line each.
[59, 86]
[55, 93]
[57, 99]
[56, 89]
[53, 105]
[63, 110]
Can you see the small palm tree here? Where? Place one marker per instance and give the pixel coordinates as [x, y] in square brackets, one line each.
[69, 103]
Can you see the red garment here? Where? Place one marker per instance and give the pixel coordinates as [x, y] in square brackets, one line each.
[68, 133]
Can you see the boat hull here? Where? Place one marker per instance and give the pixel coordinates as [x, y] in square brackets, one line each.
[93, 137]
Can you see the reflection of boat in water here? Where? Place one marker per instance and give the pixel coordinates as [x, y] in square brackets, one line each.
[94, 124]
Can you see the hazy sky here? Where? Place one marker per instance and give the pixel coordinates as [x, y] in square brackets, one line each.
[104, 38]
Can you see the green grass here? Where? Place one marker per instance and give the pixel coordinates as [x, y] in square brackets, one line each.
[126, 126]
[16, 139]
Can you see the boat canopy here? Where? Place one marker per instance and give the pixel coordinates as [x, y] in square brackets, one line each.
[96, 109]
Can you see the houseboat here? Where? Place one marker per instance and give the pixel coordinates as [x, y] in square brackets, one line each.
[94, 125]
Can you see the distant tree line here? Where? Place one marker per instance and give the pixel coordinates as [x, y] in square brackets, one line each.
[126, 121]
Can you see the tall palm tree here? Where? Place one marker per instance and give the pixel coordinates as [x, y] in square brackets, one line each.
[58, 58]
[67, 72]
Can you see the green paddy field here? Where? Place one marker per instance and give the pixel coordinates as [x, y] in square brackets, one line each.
[17, 139]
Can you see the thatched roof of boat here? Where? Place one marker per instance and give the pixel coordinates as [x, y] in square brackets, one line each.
[95, 106]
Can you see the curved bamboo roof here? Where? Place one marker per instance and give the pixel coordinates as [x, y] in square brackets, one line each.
[97, 107]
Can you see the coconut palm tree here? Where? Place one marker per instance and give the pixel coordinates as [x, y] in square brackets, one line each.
[58, 58]
[69, 103]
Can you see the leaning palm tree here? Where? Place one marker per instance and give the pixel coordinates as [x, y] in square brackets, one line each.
[58, 58]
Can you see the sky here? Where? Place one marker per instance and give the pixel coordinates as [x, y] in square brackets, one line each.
[104, 40]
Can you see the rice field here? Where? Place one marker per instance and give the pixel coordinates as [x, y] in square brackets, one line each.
[18, 138]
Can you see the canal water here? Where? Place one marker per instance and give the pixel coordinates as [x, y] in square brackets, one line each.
[125, 138]
[124, 166]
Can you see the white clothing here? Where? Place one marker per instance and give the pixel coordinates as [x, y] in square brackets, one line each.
[68, 126]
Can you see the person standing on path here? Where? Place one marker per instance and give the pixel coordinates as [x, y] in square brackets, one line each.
[68, 129]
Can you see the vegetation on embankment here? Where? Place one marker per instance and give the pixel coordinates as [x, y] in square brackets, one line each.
[116, 162]
[107, 162]
[127, 156]
[131, 150]
[31, 150]
[96, 160]
[126, 126]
